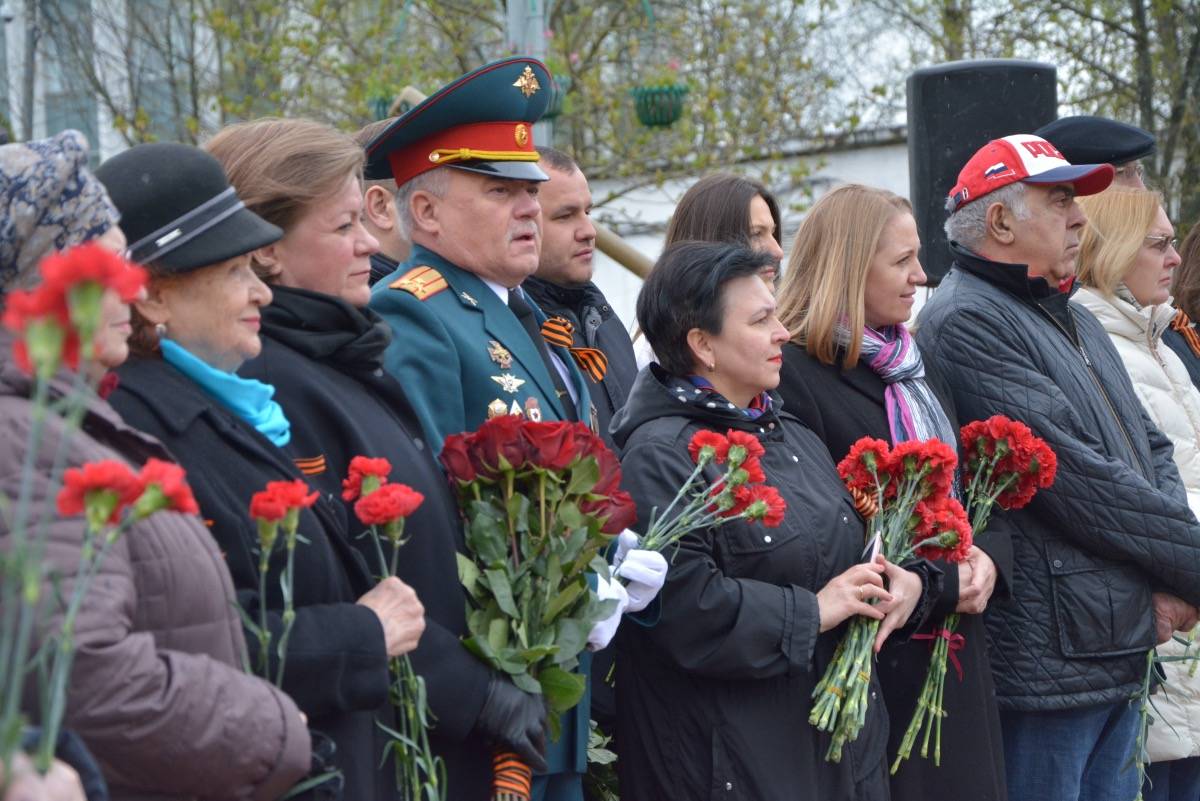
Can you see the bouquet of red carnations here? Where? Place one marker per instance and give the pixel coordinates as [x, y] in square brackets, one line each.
[1005, 466]
[904, 492]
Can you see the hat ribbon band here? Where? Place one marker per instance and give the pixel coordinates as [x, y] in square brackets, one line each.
[445, 155]
[185, 228]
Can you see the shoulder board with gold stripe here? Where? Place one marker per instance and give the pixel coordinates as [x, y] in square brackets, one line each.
[421, 282]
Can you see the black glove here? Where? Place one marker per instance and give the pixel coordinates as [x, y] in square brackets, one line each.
[513, 718]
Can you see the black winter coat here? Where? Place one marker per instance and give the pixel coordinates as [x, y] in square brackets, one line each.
[337, 668]
[325, 359]
[713, 698]
[596, 326]
[840, 406]
[1115, 526]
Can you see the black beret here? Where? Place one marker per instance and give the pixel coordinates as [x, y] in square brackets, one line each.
[1096, 140]
[178, 210]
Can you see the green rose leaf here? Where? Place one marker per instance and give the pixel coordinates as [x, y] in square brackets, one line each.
[562, 689]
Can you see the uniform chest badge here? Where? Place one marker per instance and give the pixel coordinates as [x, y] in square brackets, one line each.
[500, 355]
[468, 299]
[508, 382]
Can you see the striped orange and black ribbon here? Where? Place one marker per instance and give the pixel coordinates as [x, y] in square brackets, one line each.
[559, 331]
[1183, 325]
[512, 780]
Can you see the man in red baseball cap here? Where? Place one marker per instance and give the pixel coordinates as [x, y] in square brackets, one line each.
[1086, 588]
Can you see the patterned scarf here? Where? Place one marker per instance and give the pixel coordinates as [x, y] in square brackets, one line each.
[913, 411]
[759, 405]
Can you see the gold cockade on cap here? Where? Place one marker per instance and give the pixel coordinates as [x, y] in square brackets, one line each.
[528, 82]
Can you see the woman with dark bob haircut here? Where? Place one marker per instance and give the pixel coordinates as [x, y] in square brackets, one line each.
[716, 684]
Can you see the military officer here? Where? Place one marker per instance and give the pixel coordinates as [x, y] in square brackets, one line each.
[467, 341]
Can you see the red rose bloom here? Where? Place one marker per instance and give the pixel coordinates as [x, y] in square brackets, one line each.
[943, 528]
[550, 445]
[456, 459]
[85, 486]
[621, 511]
[497, 445]
[360, 468]
[718, 444]
[610, 472]
[388, 504]
[172, 490]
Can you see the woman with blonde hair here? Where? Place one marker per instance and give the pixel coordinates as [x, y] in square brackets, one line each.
[1127, 257]
[852, 370]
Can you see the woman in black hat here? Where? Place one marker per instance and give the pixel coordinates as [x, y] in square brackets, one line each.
[200, 321]
[156, 692]
[323, 352]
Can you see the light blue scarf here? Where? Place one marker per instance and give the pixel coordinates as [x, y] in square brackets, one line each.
[245, 397]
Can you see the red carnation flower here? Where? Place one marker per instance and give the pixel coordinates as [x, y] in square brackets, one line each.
[360, 468]
[762, 503]
[743, 447]
[388, 504]
[279, 498]
[164, 488]
[92, 262]
[943, 530]
[866, 465]
[100, 489]
[717, 444]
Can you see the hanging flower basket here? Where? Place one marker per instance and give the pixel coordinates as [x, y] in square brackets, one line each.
[558, 93]
[659, 106]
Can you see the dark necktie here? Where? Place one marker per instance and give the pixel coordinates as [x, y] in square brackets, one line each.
[525, 315]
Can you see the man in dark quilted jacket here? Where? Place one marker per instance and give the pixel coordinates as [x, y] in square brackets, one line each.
[1106, 562]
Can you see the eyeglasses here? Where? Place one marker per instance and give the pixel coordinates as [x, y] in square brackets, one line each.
[1135, 168]
[1163, 242]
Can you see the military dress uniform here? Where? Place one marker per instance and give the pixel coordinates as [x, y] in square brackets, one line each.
[461, 352]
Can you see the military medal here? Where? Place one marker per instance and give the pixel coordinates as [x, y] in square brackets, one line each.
[468, 299]
[508, 382]
[496, 409]
[532, 410]
[500, 354]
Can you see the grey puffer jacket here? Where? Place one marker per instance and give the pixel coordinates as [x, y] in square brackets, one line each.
[1089, 551]
[157, 692]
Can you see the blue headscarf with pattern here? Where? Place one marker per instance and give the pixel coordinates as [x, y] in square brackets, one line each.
[49, 201]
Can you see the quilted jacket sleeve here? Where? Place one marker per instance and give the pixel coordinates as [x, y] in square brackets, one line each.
[1099, 503]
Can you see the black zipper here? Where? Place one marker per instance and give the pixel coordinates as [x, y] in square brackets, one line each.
[1100, 386]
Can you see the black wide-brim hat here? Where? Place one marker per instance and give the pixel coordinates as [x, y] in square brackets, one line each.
[178, 210]
[480, 122]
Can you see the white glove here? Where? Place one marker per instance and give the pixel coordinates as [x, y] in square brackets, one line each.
[646, 571]
[603, 632]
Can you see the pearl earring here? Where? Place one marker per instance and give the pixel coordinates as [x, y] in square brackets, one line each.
[160, 330]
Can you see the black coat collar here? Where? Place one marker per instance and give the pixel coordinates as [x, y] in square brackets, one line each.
[1014, 279]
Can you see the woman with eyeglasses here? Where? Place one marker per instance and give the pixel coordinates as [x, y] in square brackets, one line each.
[1127, 257]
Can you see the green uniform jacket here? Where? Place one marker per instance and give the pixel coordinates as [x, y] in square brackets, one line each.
[450, 336]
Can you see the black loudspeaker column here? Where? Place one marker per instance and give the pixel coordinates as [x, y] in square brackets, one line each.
[953, 110]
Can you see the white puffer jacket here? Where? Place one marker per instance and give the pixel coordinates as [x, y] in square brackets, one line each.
[1162, 383]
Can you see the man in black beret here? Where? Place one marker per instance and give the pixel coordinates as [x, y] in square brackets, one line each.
[1098, 140]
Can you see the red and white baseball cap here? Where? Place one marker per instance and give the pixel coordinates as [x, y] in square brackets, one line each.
[1027, 158]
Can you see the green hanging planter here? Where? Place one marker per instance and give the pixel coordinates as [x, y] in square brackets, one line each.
[558, 93]
[659, 106]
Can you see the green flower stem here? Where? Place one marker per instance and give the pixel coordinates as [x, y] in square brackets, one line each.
[54, 700]
[289, 603]
[420, 774]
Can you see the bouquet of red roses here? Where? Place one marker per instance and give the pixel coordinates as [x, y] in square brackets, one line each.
[542, 501]
[1005, 466]
[904, 492]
